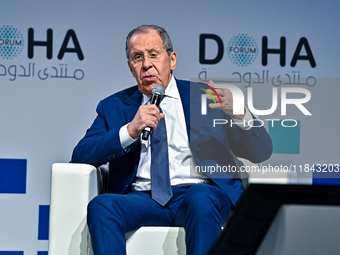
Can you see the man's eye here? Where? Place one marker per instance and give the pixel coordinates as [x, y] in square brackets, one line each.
[153, 55]
[137, 58]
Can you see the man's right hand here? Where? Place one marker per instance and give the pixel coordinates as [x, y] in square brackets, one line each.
[146, 116]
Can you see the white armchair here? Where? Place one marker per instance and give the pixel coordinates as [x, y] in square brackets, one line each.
[74, 185]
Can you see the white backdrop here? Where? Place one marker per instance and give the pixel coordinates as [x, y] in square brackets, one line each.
[46, 104]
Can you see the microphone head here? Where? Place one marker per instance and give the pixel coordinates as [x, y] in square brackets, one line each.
[158, 90]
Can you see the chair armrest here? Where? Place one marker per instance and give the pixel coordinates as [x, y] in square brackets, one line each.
[103, 179]
[156, 240]
[73, 186]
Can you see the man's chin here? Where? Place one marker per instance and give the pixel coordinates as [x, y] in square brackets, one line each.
[147, 89]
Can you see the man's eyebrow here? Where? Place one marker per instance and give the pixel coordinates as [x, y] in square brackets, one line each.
[135, 51]
[148, 50]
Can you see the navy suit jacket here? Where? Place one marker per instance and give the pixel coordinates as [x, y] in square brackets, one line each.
[210, 145]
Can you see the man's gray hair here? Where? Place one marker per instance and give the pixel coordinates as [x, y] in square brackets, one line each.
[144, 29]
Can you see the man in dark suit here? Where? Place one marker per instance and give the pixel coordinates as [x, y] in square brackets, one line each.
[198, 201]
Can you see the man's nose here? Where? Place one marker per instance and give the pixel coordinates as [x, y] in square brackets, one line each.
[147, 62]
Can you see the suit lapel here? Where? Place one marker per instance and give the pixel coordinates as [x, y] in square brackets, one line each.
[133, 102]
[184, 92]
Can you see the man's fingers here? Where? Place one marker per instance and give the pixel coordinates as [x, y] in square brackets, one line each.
[151, 116]
[211, 98]
[146, 116]
[224, 106]
[211, 84]
[215, 106]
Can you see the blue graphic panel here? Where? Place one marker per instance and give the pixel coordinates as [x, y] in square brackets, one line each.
[326, 174]
[285, 136]
[44, 217]
[13, 176]
[42, 253]
[11, 253]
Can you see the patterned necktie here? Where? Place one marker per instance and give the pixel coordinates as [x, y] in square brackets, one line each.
[161, 190]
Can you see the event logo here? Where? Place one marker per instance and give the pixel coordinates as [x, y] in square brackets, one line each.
[48, 44]
[242, 50]
[11, 42]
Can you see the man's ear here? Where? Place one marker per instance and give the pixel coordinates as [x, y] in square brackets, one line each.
[173, 60]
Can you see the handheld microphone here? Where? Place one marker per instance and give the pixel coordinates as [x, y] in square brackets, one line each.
[157, 97]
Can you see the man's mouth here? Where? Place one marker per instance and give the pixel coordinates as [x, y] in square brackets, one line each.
[149, 77]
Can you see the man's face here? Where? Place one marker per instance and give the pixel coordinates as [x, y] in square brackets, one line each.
[149, 74]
